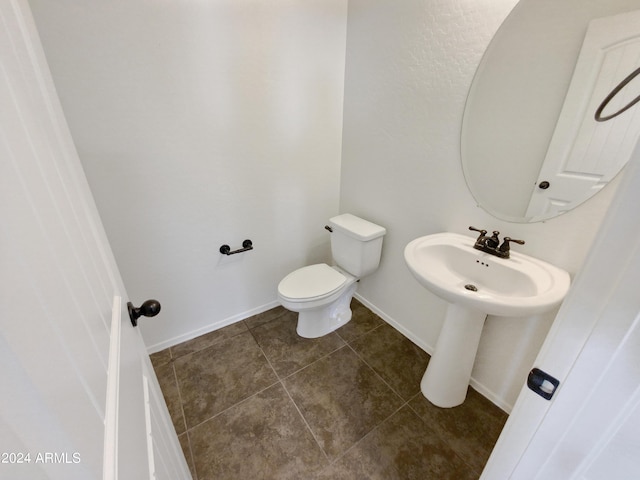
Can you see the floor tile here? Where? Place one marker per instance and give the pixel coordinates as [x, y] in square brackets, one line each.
[362, 321]
[401, 448]
[186, 449]
[394, 357]
[207, 340]
[287, 351]
[344, 405]
[169, 387]
[471, 429]
[160, 358]
[342, 399]
[217, 377]
[263, 437]
[265, 317]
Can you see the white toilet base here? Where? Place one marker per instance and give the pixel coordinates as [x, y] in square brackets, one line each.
[317, 322]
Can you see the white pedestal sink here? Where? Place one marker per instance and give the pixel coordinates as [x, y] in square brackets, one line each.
[475, 284]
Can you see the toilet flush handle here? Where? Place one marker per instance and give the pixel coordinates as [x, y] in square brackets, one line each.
[327, 227]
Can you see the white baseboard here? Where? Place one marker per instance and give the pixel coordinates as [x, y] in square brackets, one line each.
[479, 387]
[491, 396]
[387, 318]
[210, 328]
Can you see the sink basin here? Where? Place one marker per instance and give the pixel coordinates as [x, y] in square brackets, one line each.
[475, 284]
[448, 266]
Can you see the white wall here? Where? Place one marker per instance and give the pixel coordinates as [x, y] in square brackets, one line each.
[409, 67]
[201, 124]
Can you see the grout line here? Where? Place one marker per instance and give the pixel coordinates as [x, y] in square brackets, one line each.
[175, 378]
[345, 343]
[193, 458]
[314, 362]
[239, 402]
[281, 381]
[184, 418]
[360, 335]
[222, 339]
[315, 438]
[370, 432]
[377, 374]
[442, 438]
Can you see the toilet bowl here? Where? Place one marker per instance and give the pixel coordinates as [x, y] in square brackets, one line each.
[321, 294]
[322, 297]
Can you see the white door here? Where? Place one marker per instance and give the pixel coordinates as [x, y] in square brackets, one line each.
[67, 409]
[584, 155]
[591, 427]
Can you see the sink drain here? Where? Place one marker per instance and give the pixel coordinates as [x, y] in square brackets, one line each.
[470, 286]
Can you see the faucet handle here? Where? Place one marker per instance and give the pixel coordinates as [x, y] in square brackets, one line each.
[509, 239]
[482, 232]
[504, 248]
[482, 238]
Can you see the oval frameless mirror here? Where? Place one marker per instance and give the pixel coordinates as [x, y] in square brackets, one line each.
[531, 146]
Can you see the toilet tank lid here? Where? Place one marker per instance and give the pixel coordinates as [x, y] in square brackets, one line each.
[357, 227]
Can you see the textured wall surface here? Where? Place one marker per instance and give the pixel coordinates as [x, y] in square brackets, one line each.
[409, 67]
[201, 124]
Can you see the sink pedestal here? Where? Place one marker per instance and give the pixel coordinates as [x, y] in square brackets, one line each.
[447, 377]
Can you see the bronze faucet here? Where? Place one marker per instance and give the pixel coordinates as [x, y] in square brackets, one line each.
[491, 244]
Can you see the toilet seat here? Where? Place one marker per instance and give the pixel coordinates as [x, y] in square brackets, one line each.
[311, 283]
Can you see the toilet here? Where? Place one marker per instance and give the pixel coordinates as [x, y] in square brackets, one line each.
[321, 294]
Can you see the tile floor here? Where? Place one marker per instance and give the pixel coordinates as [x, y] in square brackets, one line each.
[254, 400]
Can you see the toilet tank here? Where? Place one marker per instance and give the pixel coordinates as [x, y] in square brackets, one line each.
[356, 244]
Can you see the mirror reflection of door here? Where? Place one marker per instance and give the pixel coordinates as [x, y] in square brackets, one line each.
[584, 154]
